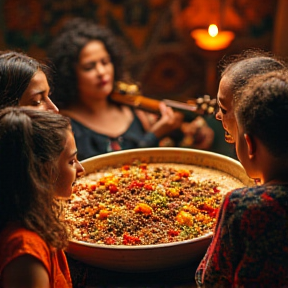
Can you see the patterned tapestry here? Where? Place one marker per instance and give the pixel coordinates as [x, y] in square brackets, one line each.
[164, 58]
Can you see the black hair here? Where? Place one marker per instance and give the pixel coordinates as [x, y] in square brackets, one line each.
[262, 110]
[64, 54]
[16, 71]
[241, 67]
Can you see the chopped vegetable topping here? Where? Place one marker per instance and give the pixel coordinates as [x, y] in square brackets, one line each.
[143, 204]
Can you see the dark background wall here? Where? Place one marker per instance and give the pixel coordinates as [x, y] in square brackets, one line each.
[164, 58]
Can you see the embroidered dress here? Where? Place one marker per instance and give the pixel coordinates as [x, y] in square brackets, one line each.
[250, 242]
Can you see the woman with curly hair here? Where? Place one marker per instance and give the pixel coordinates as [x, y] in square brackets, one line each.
[24, 81]
[88, 61]
[39, 165]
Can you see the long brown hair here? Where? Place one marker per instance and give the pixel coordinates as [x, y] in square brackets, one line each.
[31, 142]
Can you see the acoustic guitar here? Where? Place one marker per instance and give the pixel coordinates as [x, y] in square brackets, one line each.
[129, 94]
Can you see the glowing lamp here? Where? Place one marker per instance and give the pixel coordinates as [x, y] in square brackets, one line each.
[212, 39]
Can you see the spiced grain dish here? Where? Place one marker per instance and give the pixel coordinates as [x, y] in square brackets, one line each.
[144, 204]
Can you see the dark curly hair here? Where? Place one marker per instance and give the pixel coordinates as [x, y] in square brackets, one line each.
[262, 110]
[31, 142]
[16, 71]
[64, 54]
[241, 67]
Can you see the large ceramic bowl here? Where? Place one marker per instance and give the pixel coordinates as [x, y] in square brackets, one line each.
[152, 257]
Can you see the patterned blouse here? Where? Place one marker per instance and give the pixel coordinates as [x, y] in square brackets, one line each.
[250, 242]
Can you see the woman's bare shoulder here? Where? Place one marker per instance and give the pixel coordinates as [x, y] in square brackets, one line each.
[30, 273]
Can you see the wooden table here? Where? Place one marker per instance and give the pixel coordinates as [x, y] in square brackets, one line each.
[85, 276]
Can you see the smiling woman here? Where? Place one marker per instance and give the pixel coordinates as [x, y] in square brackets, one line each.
[236, 71]
[249, 247]
[24, 81]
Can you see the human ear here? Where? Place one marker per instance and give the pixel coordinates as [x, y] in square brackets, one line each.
[251, 146]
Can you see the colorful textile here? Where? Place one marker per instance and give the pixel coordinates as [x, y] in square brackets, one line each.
[250, 242]
[16, 241]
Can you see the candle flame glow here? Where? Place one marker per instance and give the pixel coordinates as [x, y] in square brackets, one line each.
[212, 39]
[213, 30]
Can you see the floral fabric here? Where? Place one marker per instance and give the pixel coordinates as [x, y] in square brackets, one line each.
[250, 243]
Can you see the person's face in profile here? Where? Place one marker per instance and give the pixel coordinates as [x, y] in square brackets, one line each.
[226, 110]
[37, 93]
[69, 168]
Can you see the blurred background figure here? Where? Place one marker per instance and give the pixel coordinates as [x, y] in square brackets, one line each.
[88, 61]
[166, 56]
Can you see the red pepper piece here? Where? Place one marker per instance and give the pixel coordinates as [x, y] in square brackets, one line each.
[128, 239]
[148, 187]
[126, 167]
[173, 233]
[135, 184]
[210, 210]
[113, 188]
[216, 190]
[110, 241]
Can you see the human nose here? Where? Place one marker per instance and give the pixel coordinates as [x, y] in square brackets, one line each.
[100, 68]
[51, 106]
[218, 115]
[80, 171]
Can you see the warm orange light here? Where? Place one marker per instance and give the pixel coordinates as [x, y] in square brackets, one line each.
[212, 39]
[213, 30]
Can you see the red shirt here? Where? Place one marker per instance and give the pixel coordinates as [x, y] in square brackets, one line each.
[16, 241]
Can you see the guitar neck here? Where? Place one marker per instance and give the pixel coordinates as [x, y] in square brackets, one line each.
[190, 110]
[181, 106]
[137, 101]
